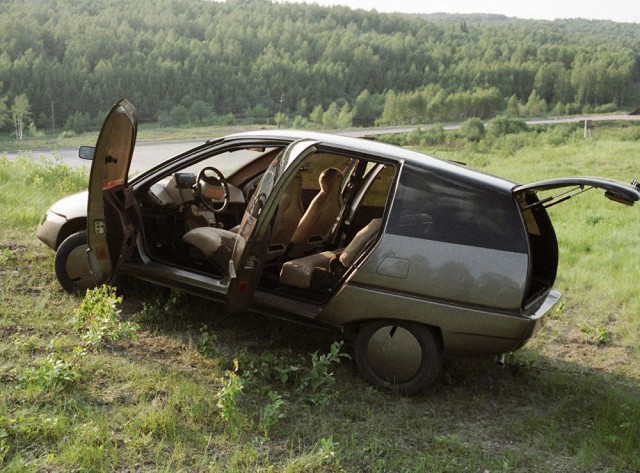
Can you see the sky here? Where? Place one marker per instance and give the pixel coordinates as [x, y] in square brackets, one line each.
[616, 10]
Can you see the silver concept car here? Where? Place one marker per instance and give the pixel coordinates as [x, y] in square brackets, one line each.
[414, 256]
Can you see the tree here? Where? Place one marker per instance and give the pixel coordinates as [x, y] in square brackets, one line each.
[394, 108]
[536, 106]
[4, 112]
[330, 117]
[280, 120]
[513, 107]
[200, 112]
[316, 114]
[20, 113]
[345, 117]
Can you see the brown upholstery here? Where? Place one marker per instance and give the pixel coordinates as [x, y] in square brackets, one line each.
[359, 242]
[215, 243]
[299, 272]
[318, 220]
[290, 212]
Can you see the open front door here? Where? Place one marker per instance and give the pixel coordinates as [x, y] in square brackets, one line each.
[110, 233]
[245, 266]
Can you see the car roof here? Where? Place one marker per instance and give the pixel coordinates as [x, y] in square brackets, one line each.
[388, 151]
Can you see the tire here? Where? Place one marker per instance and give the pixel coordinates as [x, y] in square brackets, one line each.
[71, 264]
[403, 356]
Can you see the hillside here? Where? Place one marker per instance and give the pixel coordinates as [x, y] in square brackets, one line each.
[205, 62]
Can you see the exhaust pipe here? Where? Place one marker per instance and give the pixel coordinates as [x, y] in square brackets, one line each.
[500, 359]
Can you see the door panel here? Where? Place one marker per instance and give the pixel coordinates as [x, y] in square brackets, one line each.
[110, 235]
[252, 242]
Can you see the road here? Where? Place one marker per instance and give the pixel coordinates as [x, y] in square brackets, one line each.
[147, 154]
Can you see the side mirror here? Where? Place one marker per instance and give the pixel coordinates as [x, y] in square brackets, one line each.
[86, 152]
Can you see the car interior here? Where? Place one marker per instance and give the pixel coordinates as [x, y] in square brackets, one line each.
[328, 215]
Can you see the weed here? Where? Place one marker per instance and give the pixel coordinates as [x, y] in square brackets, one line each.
[5, 255]
[207, 343]
[55, 373]
[598, 335]
[161, 308]
[320, 379]
[315, 382]
[557, 313]
[98, 317]
[322, 457]
[229, 395]
[272, 413]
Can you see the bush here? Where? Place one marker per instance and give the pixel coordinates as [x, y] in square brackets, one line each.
[472, 129]
[501, 126]
[79, 122]
[560, 134]
[67, 134]
[606, 108]
[34, 132]
[179, 115]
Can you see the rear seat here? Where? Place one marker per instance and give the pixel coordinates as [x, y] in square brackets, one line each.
[316, 272]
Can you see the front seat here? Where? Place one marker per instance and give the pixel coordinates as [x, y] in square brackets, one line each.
[289, 214]
[320, 271]
[316, 223]
[215, 244]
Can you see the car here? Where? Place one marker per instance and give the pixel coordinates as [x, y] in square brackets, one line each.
[412, 256]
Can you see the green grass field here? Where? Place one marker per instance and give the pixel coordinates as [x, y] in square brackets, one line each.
[151, 383]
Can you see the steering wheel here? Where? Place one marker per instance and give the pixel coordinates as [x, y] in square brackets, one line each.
[212, 189]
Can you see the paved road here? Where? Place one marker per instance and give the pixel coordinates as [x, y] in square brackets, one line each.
[146, 154]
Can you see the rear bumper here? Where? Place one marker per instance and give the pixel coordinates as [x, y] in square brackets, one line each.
[536, 312]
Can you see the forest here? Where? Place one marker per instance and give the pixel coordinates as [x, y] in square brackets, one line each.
[64, 62]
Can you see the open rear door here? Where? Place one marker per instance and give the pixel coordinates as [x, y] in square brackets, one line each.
[245, 266]
[626, 194]
[110, 233]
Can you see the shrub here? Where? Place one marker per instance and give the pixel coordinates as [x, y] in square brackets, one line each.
[97, 317]
[472, 129]
[501, 126]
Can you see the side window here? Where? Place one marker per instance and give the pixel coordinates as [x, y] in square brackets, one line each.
[437, 207]
[375, 197]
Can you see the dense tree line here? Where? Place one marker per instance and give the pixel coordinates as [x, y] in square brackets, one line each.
[199, 61]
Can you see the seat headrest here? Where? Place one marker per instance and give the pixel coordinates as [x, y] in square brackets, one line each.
[329, 179]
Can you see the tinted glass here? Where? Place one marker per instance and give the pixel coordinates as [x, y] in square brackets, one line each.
[443, 208]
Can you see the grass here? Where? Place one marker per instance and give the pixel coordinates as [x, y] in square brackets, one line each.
[172, 398]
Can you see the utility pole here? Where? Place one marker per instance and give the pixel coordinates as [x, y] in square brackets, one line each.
[53, 121]
[281, 108]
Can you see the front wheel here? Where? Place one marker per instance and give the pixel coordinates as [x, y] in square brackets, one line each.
[72, 265]
[400, 355]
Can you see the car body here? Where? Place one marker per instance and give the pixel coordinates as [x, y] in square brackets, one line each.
[414, 255]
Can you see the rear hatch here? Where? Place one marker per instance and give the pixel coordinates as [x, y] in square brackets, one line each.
[542, 238]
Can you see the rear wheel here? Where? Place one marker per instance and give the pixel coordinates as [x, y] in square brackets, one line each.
[403, 356]
[72, 265]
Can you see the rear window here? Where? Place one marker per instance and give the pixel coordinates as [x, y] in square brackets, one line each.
[444, 208]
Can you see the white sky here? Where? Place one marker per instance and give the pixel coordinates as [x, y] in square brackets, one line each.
[616, 10]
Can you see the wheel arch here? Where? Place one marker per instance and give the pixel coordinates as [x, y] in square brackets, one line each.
[69, 228]
[351, 328]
